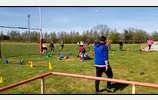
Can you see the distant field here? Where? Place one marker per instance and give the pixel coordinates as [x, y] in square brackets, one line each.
[127, 65]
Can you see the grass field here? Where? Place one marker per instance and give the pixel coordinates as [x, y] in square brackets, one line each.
[126, 65]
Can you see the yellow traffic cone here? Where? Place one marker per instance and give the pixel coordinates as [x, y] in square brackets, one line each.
[50, 66]
[31, 65]
[1, 79]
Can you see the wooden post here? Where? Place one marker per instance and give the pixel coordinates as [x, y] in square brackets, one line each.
[133, 89]
[42, 85]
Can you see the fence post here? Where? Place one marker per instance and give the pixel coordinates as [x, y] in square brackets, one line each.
[42, 85]
[133, 88]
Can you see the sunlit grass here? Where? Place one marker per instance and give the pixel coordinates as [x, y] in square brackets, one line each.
[126, 65]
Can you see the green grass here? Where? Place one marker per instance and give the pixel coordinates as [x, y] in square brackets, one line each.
[126, 65]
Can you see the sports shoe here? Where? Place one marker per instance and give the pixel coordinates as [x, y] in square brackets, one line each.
[110, 89]
[96, 92]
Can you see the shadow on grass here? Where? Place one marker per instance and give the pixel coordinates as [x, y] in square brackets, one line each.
[116, 87]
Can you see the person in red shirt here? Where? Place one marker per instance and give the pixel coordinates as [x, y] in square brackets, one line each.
[82, 52]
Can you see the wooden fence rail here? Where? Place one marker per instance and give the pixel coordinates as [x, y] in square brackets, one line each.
[41, 76]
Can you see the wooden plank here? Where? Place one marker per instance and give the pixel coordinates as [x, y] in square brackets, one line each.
[107, 79]
[24, 81]
[82, 77]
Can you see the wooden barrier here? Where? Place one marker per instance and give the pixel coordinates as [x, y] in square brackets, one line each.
[41, 76]
[107, 79]
[132, 83]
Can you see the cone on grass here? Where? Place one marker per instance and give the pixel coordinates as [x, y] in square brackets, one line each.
[1, 79]
[50, 66]
[31, 65]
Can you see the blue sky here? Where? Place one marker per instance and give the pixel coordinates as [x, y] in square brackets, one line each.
[82, 18]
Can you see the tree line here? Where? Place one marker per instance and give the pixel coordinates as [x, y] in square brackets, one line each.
[130, 35]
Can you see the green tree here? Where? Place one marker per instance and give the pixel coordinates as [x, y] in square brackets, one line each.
[155, 36]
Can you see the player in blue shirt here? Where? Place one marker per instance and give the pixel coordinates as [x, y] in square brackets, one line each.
[101, 61]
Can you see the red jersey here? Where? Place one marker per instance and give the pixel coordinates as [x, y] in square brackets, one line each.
[82, 50]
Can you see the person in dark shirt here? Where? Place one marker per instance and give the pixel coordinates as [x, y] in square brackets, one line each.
[52, 47]
[62, 45]
[121, 45]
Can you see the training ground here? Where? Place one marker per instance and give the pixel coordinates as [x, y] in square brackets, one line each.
[130, 64]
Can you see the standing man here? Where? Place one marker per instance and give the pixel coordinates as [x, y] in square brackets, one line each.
[101, 61]
[52, 46]
[121, 45]
[62, 44]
